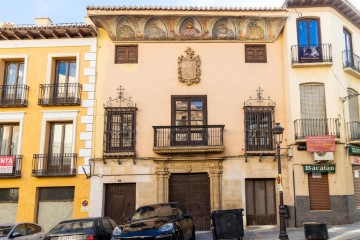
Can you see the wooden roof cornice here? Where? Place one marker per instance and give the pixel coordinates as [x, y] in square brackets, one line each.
[344, 7]
[53, 31]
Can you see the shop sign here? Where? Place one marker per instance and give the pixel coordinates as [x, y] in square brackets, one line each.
[354, 150]
[320, 143]
[355, 160]
[326, 168]
[7, 164]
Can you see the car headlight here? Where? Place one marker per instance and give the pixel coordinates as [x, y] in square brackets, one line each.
[117, 231]
[167, 227]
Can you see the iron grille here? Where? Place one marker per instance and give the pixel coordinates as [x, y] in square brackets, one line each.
[119, 132]
[354, 130]
[16, 168]
[313, 127]
[14, 95]
[47, 165]
[351, 60]
[60, 94]
[258, 130]
[311, 53]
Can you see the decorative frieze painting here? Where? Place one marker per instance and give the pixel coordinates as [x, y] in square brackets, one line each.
[180, 28]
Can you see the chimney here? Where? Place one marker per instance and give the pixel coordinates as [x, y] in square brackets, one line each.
[43, 21]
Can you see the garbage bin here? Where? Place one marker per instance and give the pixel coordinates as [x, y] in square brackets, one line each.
[315, 231]
[227, 224]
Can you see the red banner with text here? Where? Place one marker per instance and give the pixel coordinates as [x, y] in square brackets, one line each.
[320, 143]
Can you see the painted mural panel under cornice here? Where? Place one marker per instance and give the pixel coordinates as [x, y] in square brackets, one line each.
[191, 28]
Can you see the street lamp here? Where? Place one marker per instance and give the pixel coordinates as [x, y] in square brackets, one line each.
[277, 131]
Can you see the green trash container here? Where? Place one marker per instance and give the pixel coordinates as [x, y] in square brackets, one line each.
[316, 231]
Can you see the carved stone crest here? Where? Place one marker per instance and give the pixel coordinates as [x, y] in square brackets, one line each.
[189, 67]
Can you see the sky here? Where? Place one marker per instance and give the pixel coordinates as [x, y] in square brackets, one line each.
[74, 11]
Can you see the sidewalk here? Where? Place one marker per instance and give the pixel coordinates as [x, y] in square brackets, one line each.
[341, 232]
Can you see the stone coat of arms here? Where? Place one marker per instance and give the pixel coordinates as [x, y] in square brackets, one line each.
[189, 67]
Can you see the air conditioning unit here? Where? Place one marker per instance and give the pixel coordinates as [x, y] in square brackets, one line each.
[323, 156]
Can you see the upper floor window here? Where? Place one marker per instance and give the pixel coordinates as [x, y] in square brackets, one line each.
[126, 54]
[9, 136]
[309, 41]
[348, 53]
[119, 130]
[14, 73]
[255, 53]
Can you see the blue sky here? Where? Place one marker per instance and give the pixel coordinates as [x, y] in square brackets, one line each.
[73, 11]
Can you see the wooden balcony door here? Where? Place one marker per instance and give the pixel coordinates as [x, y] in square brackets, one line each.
[65, 80]
[187, 113]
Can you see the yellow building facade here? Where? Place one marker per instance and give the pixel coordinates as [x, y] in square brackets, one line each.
[47, 75]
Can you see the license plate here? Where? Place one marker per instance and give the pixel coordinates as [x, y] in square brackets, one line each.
[67, 238]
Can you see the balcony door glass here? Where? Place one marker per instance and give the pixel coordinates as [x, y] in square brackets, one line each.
[189, 112]
[60, 148]
[313, 111]
[354, 123]
[348, 49]
[65, 80]
[14, 76]
[9, 137]
[308, 32]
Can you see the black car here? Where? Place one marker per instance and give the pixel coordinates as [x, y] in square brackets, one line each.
[99, 228]
[168, 221]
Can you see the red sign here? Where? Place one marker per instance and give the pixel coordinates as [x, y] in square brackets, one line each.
[7, 164]
[355, 160]
[323, 143]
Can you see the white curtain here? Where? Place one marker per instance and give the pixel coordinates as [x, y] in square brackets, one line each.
[8, 212]
[51, 213]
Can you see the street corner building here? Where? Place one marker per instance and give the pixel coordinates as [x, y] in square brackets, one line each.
[47, 78]
[150, 104]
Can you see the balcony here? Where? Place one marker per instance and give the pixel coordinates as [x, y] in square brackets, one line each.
[14, 95]
[353, 129]
[311, 55]
[314, 127]
[54, 165]
[63, 94]
[189, 139]
[11, 166]
[351, 63]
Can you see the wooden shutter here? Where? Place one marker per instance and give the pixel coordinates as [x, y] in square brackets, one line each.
[126, 54]
[255, 53]
[319, 192]
[312, 99]
[353, 106]
[356, 179]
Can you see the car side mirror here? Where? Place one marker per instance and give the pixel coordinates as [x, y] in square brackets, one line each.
[127, 220]
[16, 234]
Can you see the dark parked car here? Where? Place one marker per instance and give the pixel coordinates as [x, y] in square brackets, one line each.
[21, 231]
[168, 221]
[99, 228]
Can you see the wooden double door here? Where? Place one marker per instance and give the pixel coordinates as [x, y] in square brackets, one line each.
[193, 191]
[120, 199]
[260, 202]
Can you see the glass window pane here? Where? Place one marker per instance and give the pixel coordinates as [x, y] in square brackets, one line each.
[181, 118]
[21, 74]
[196, 115]
[56, 138]
[181, 105]
[302, 33]
[61, 72]
[68, 138]
[196, 105]
[313, 32]
[5, 140]
[72, 72]
[14, 140]
[11, 74]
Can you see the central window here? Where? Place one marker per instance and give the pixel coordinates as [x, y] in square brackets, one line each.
[189, 115]
[9, 135]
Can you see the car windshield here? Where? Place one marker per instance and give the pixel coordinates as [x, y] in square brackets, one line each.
[147, 212]
[4, 230]
[73, 226]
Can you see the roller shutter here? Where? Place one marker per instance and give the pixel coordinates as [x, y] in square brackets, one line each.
[319, 191]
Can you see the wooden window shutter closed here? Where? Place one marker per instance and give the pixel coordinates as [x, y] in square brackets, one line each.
[255, 53]
[312, 101]
[126, 54]
[356, 179]
[319, 192]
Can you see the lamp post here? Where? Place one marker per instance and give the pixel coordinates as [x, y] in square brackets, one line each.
[277, 131]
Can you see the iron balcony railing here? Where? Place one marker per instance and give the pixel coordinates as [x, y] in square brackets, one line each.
[14, 95]
[312, 127]
[188, 136]
[353, 130]
[10, 166]
[351, 60]
[47, 165]
[311, 53]
[60, 94]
